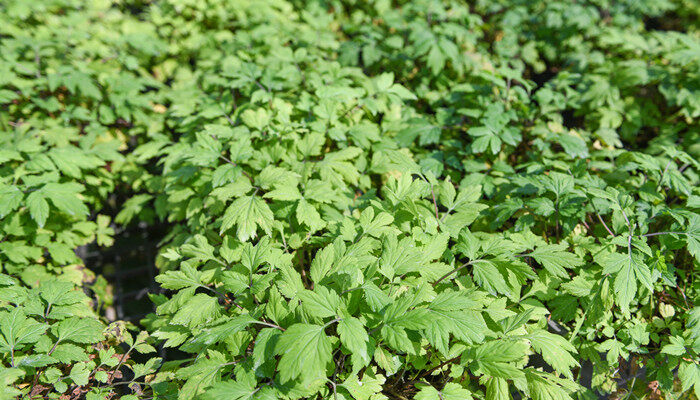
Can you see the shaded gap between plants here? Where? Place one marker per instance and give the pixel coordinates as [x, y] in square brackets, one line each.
[129, 268]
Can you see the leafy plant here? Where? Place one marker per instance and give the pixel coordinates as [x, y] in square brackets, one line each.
[365, 199]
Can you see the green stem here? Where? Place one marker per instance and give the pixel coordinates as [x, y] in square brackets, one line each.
[447, 275]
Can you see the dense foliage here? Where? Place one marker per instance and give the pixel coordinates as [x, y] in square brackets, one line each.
[381, 199]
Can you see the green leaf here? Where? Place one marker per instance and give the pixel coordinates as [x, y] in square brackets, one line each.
[307, 214]
[305, 351]
[78, 330]
[555, 350]
[451, 391]
[67, 352]
[693, 236]
[197, 310]
[545, 388]
[372, 225]
[366, 388]
[60, 293]
[452, 313]
[689, 375]
[232, 390]
[253, 257]
[322, 263]
[497, 389]
[676, 347]
[65, 197]
[497, 358]
[247, 213]
[321, 302]
[555, 259]
[489, 277]
[399, 257]
[18, 330]
[80, 374]
[188, 276]
[8, 376]
[629, 270]
[386, 361]
[354, 336]
[38, 207]
[10, 199]
[211, 335]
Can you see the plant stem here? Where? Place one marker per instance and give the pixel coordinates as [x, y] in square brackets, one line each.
[663, 233]
[270, 325]
[455, 271]
[605, 225]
